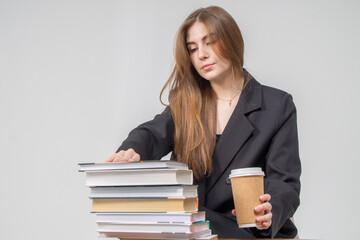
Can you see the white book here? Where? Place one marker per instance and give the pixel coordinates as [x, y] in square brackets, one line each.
[151, 217]
[145, 164]
[144, 191]
[152, 235]
[153, 227]
[205, 237]
[139, 177]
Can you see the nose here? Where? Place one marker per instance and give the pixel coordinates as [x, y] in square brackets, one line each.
[203, 53]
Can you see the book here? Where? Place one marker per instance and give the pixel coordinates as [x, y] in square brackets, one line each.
[144, 205]
[205, 237]
[144, 191]
[146, 164]
[139, 177]
[153, 227]
[145, 200]
[154, 235]
[151, 217]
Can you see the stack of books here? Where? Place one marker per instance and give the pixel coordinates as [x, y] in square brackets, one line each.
[145, 200]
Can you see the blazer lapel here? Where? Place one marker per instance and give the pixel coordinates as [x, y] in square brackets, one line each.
[236, 132]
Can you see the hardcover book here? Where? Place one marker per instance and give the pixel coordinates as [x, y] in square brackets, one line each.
[153, 235]
[144, 205]
[205, 237]
[144, 191]
[132, 165]
[153, 227]
[143, 217]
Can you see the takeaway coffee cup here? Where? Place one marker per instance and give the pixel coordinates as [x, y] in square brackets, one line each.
[247, 185]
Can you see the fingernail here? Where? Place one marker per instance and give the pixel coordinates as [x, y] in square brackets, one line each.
[257, 209]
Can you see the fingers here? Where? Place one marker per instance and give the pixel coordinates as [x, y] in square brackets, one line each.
[124, 156]
[264, 222]
[111, 158]
[233, 212]
[264, 207]
[127, 156]
[135, 158]
[265, 198]
[119, 156]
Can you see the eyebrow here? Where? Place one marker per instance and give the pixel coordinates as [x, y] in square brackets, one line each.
[202, 39]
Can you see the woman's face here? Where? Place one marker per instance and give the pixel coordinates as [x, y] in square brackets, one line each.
[200, 44]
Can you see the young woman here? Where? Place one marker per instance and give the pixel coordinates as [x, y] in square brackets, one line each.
[220, 118]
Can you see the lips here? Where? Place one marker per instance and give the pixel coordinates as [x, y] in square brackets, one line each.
[207, 67]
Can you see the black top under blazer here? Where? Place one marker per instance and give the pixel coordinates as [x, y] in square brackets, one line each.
[261, 132]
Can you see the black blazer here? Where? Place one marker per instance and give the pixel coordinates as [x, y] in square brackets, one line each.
[262, 132]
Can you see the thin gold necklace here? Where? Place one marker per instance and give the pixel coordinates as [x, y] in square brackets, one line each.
[230, 100]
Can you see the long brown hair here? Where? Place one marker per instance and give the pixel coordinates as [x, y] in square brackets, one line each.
[191, 98]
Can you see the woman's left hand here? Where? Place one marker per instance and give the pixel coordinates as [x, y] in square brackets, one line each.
[264, 221]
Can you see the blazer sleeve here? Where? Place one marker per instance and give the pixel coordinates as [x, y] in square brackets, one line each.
[152, 139]
[282, 172]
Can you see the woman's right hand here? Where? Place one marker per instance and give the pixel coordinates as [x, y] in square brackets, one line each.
[124, 156]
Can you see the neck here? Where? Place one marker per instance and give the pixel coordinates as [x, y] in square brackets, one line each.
[227, 89]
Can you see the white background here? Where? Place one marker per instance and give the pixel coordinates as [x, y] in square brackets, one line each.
[77, 75]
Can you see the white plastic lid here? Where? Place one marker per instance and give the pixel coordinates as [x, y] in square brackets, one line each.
[240, 172]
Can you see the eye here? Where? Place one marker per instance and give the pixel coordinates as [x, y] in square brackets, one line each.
[191, 50]
[210, 42]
